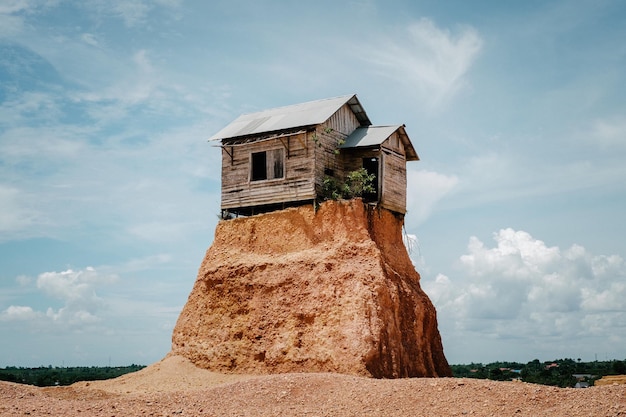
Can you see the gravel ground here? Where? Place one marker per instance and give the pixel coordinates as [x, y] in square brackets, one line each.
[175, 388]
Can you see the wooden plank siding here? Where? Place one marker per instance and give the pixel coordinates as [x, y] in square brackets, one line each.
[329, 136]
[308, 154]
[393, 196]
[297, 183]
[343, 121]
[393, 163]
[392, 170]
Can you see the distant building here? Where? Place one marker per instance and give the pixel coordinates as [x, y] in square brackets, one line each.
[279, 157]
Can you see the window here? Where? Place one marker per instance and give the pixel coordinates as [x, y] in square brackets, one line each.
[266, 165]
[259, 166]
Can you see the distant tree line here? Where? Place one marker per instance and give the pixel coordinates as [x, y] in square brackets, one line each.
[50, 376]
[559, 372]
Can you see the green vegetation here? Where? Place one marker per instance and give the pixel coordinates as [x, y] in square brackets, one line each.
[560, 372]
[50, 376]
[357, 183]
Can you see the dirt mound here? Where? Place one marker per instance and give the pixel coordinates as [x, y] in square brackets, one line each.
[173, 373]
[176, 387]
[611, 380]
[305, 291]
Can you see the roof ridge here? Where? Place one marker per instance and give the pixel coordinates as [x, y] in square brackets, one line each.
[391, 125]
[347, 97]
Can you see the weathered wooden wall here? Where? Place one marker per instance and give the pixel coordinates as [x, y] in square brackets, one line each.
[353, 159]
[308, 158]
[329, 136]
[392, 171]
[297, 183]
[394, 174]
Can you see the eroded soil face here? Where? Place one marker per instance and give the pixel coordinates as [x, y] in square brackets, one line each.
[299, 290]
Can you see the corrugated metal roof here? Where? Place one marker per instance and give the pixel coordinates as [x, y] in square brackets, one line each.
[369, 136]
[290, 117]
[376, 135]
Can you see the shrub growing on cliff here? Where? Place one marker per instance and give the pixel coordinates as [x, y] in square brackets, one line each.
[330, 189]
[357, 183]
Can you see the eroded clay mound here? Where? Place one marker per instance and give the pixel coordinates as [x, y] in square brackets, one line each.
[304, 291]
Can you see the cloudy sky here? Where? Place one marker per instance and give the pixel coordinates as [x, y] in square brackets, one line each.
[109, 191]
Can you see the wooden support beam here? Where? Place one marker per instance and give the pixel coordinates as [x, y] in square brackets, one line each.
[230, 153]
[286, 145]
[304, 144]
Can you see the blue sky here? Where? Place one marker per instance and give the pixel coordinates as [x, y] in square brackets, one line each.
[109, 191]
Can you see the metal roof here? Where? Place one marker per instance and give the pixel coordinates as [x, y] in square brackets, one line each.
[376, 135]
[291, 117]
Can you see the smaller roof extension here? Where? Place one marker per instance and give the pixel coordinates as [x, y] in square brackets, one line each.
[372, 136]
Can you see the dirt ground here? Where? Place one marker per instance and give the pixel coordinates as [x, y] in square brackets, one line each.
[175, 387]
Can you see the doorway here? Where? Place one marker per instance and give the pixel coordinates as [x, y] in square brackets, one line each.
[372, 167]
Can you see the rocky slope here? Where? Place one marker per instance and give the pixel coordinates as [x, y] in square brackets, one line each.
[305, 291]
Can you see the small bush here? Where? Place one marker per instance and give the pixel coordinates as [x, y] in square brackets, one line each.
[330, 189]
[357, 183]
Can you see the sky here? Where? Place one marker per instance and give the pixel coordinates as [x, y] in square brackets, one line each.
[110, 192]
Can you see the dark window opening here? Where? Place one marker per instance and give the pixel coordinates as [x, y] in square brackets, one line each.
[371, 166]
[259, 166]
[267, 165]
[329, 172]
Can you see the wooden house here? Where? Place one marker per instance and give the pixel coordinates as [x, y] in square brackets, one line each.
[279, 158]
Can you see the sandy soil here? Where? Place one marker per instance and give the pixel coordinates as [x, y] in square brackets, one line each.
[175, 387]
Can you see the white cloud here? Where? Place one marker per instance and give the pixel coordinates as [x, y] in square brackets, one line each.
[609, 133]
[90, 39]
[11, 24]
[77, 292]
[428, 58]
[503, 175]
[525, 289]
[159, 231]
[71, 286]
[19, 313]
[148, 262]
[60, 145]
[424, 190]
[14, 6]
[137, 84]
[23, 280]
[11, 12]
[170, 3]
[15, 215]
[132, 12]
[29, 107]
